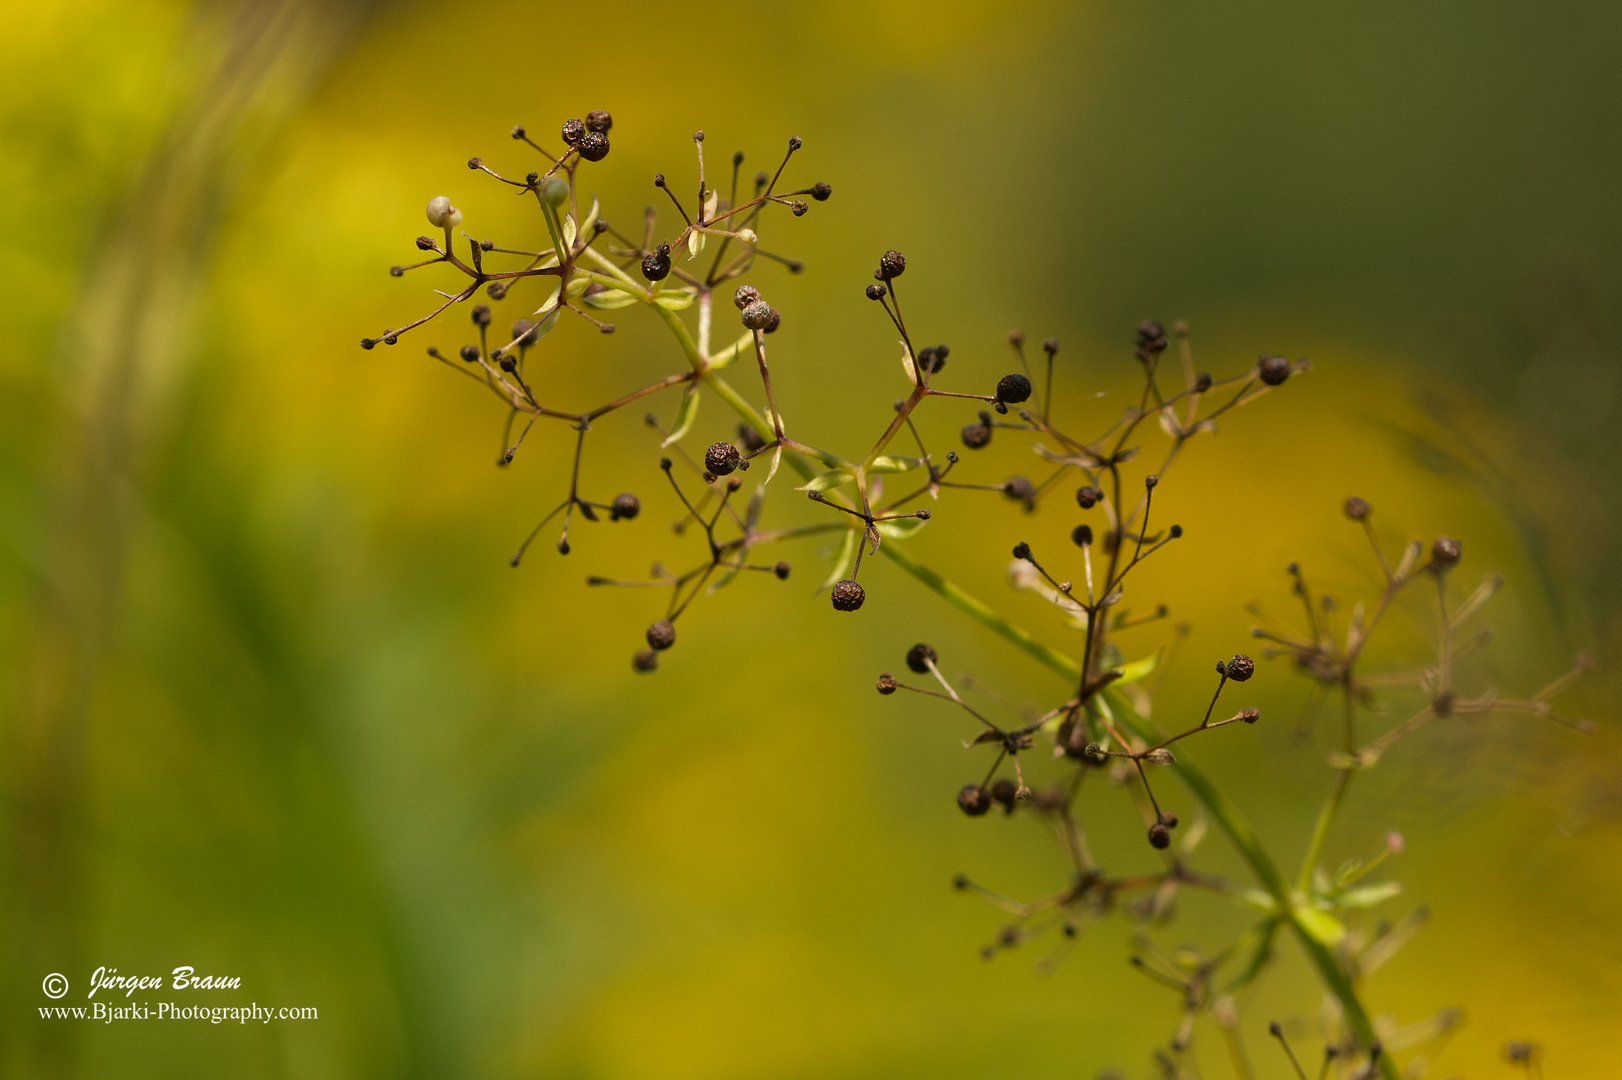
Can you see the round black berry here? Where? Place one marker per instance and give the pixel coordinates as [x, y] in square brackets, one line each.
[782, 571]
[657, 264]
[599, 120]
[1159, 836]
[1014, 388]
[892, 265]
[973, 800]
[1240, 668]
[662, 635]
[593, 146]
[1082, 536]
[847, 595]
[1087, 497]
[574, 131]
[625, 506]
[721, 458]
[920, 656]
[1272, 370]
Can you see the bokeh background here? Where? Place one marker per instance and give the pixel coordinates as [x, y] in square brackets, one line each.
[275, 706]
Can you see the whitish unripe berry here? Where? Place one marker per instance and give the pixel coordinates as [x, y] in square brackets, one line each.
[442, 214]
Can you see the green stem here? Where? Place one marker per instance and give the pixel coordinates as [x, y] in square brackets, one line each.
[1228, 816]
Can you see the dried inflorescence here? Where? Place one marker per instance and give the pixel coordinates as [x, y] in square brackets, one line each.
[1101, 723]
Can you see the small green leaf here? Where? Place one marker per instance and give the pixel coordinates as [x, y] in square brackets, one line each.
[674, 301]
[695, 244]
[843, 559]
[686, 412]
[609, 299]
[1321, 926]
[569, 231]
[777, 459]
[900, 530]
[588, 228]
[887, 464]
[1140, 669]
[577, 288]
[824, 481]
[1368, 895]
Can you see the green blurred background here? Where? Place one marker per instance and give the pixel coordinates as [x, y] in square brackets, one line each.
[274, 705]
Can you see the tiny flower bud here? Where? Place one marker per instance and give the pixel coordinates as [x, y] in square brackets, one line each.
[874, 292]
[474, 163]
[1013, 388]
[396, 271]
[1151, 339]
[1175, 531]
[1357, 509]
[1082, 536]
[847, 595]
[1022, 550]
[1168, 819]
[1202, 382]
[920, 656]
[470, 353]
[782, 570]
[1445, 552]
[887, 683]
[973, 800]
[1159, 756]
[795, 142]
[1250, 716]
[1151, 481]
[518, 132]
[820, 191]
[799, 206]
[425, 243]
[661, 635]
[892, 265]
[1240, 668]
[442, 214]
[721, 458]
[748, 236]
[645, 661]
[481, 314]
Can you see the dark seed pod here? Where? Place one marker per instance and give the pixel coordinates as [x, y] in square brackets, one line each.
[1003, 793]
[1019, 488]
[722, 458]
[920, 656]
[645, 661]
[574, 131]
[977, 436]
[746, 295]
[847, 595]
[1445, 552]
[481, 314]
[820, 191]
[892, 265]
[625, 507]
[474, 163]
[799, 206]
[1175, 531]
[425, 243]
[1168, 819]
[662, 635]
[757, 314]
[470, 353]
[1250, 716]
[518, 131]
[773, 323]
[1357, 509]
[874, 292]
[1082, 536]
[782, 571]
[396, 271]
[1013, 389]
[1022, 550]
[973, 800]
[599, 120]
[593, 146]
[524, 332]
[1272, 370]
[507, 363]
[750, 438]
[1087, 497]
[1240, 668]
[496, 290]
[1151, 339]
[657, 264]
[1202, 382]
[887, 683]
[1159, 836]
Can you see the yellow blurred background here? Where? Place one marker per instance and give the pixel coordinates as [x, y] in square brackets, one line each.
[274, 704]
